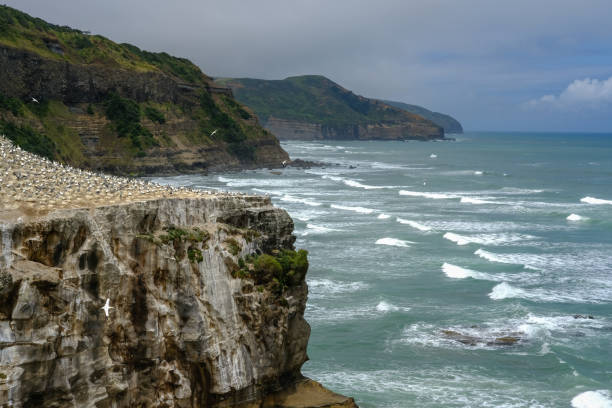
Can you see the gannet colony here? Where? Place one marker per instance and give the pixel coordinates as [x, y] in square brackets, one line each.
[30, 183]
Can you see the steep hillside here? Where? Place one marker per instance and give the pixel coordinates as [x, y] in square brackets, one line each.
[314, 107]
[450, 124]
[93, 103]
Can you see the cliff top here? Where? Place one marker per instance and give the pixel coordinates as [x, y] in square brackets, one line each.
[33, 185]
[20, 30]
[315, 99]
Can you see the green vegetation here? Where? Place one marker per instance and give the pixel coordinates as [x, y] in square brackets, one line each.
[154, 115]
[281, 269]
[234, 247]
[10, 104]
[29, 139]
[229, 130]
[174, 234]
[125, 115]
[130, 134]
[450, 124]
[18, 29]
[194, 254]
[314, 99]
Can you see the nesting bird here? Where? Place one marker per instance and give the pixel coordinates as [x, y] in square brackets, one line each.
[31, 181]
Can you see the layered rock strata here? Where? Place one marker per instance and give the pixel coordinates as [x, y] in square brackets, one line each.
[286, 129]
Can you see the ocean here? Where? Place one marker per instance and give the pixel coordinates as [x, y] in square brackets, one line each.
[473, 273]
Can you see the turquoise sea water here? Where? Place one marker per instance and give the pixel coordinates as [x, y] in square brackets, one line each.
[474, 241]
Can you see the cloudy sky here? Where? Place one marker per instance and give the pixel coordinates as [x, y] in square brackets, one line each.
[542, 65]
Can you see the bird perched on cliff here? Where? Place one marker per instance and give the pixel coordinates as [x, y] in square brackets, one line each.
[213, 132]
[107, 307]
[284, 163]
[34, 100]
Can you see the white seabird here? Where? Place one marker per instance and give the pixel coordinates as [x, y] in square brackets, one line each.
[107, 307]
[433, 156]
[34, 100]
[284, 163]
[213, 132]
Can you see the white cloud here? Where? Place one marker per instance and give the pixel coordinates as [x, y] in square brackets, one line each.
[589, 93]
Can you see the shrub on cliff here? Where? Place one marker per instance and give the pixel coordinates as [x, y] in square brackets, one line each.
[266, 268]
[13, 105]
[281, 269]
[125, 115]
[154, 115]
[29, 139]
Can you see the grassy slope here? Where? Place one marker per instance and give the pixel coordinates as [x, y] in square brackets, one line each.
[22, 31]
[312, 98]
[45, 127]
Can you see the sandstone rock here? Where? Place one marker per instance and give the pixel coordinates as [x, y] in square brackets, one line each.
[182, 333]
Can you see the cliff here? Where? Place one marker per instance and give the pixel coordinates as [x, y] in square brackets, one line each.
[314, 107]
[207, 296]
[87, 101]
[450, 124]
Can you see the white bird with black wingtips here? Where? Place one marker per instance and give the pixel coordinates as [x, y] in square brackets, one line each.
[213, 133]
[107, 307]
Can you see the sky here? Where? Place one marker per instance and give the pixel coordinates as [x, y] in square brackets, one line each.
[521, 65]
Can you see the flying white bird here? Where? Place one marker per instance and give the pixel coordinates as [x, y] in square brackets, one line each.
[213, 133]
[433, 156]
[107, 307]
[34, 100]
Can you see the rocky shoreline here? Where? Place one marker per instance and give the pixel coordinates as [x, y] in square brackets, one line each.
[188, 325]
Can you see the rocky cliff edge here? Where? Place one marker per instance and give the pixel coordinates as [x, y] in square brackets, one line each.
[184, 330]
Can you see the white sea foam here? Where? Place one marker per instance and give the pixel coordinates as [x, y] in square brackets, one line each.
[518, 191]
[383, 216]
[319, 288]
[575, 217]
[593, 399]
[361, 210]
[496, 239]
[456, 238]
[393, 242]
[489, 256]
[435, 196]
[384, 307]
[353, 183]
[470, 200]
[457, 272]
[593, 200]
[505, 290]
[413, 224]
[307, 201]
[317, 229]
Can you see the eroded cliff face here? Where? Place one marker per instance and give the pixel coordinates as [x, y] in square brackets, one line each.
[183, 332]
[286, 129]
[77, 123]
